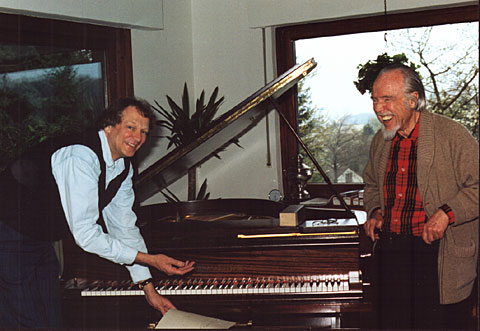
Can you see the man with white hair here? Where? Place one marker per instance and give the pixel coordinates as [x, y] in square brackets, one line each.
[421, 195]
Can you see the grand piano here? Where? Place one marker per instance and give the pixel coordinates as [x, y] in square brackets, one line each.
[249, 269]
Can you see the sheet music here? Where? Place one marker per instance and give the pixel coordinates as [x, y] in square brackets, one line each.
[177, 319]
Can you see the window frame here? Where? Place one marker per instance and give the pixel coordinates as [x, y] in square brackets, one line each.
[285, 38]
[115, 42]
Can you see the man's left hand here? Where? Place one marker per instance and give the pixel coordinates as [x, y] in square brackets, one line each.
[435, 227]
[165, 263]
[171, 266]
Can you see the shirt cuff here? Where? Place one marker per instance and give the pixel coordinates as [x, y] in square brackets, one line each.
[451, 217]
[139, 272]
[127, 256]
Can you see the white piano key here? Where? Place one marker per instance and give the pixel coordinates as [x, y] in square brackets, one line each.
[324, 287]
[329, 287]
[335, 287]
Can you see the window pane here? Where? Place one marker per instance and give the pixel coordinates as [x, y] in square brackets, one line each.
[337, 121]
[47, 91]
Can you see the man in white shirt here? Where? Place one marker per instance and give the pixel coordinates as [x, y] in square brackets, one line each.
[85, 182]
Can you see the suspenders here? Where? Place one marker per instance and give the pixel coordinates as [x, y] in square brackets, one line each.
[106, 195]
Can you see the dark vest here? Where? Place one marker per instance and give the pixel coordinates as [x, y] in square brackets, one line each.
[29, 198]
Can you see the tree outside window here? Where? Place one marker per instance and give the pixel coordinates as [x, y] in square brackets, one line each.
[338, 124]
[56, 76]
[46, 93]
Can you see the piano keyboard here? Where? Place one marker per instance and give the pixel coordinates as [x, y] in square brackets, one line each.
[335, 283]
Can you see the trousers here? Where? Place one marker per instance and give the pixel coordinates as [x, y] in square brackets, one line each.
[408, 289]
[29, 282]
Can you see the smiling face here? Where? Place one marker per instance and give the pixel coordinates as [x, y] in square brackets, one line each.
[126, 137]
[393, 108]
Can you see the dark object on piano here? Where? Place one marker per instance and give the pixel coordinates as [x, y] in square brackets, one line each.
[248, 268]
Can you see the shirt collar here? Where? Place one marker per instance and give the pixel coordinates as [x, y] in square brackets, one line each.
[107, 154]
[413, 135]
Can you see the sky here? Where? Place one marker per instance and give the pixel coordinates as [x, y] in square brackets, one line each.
[92, 70]
[331, 83]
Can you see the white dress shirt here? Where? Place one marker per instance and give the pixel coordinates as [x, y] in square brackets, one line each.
[76, 169]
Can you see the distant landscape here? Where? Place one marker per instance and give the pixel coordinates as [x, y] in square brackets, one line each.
[361, 118]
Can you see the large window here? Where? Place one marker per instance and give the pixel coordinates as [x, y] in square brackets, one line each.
[56, 77]
[328, 101]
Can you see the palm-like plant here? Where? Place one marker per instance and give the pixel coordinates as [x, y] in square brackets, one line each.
[202, 194]
[185, 129]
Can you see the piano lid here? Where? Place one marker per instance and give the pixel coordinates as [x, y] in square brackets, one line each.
[228, 127]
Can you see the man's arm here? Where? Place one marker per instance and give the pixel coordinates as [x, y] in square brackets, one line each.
[170, 267]
[76, 170]
[463, 206]
[372, 189]
[372, 198]
[122, 219]
[465, 154]
[373, 223]
[157, 301]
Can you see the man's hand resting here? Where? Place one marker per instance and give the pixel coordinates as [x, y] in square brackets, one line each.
[435, 227]
[374, 223]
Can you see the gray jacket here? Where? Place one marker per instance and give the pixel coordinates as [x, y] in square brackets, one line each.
[447, 173]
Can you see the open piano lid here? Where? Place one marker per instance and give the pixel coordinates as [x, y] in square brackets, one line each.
[225, 129]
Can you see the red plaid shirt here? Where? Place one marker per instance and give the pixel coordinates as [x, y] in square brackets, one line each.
[404, 213]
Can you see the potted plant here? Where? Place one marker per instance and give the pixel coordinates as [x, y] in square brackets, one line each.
[185, 128]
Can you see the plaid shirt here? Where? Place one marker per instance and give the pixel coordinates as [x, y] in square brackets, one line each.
[404, 213]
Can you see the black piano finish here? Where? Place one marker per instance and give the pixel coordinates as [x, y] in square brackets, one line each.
[225, 250]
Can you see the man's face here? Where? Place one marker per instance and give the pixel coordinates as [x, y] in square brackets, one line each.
[128, 136]
[393, 109]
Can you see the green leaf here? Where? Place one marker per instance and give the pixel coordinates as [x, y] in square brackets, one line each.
[170, 196]
[368, 72]
[184, 128]
[202, 195]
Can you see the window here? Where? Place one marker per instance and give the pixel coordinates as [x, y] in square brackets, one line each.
[56, 76]
[291, 40]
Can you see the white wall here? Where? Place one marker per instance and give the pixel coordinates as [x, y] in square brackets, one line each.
[280, 12]
[229, 54]
[162, 63]
[209, 43]
[140, 14]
